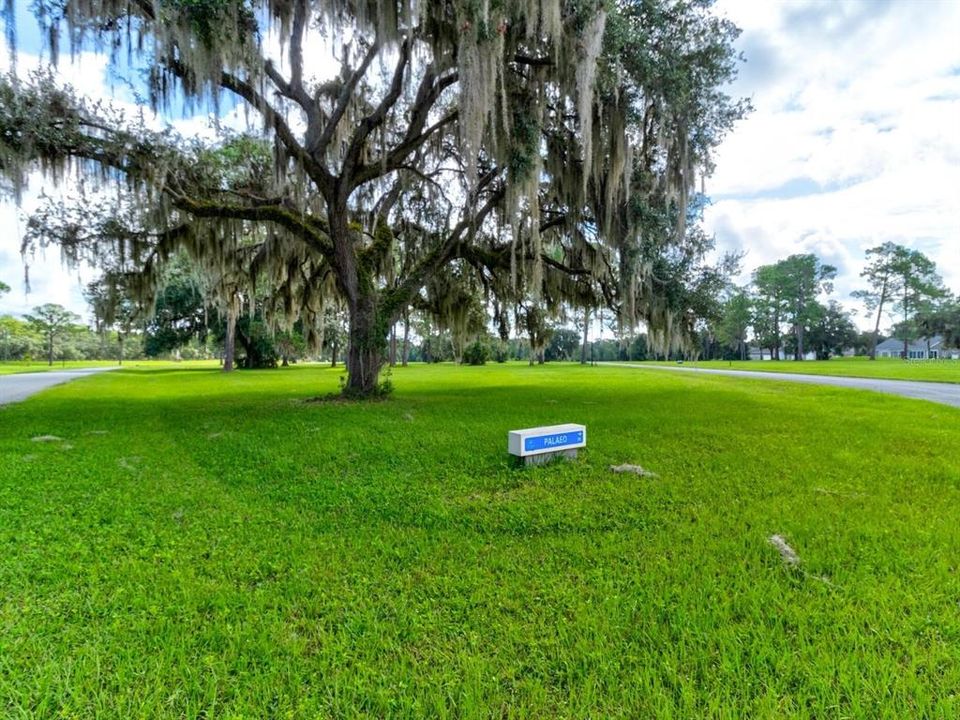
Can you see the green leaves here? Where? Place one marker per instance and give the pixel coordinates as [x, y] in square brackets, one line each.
[52, 322]
[787, 292]
[561, 172]
[901, 278]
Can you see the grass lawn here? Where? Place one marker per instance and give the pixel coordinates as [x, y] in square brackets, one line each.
[11, 367]
[201, 545]
[894, 369]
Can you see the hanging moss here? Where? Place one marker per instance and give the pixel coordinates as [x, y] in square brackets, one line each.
[577, 122]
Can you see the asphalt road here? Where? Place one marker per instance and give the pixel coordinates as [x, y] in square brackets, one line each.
[944, 393]
[20, 386]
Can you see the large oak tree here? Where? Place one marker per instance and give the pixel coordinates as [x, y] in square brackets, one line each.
[527, 147]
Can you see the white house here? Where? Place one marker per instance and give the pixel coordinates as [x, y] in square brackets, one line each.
[919, 349]
[756, 353]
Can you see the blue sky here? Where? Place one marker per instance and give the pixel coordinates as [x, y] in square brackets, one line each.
[854, 141]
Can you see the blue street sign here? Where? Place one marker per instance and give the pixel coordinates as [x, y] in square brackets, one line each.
[556, 441]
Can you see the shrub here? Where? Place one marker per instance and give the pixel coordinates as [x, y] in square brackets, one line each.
[477, 353]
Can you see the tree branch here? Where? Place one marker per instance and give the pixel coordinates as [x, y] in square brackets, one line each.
[397, 157]
[294, 89]
[300, 13]
[369, 123]
[145, 7]
[452, 247]
[317, 172]
[319, 145]
[532, 61]
[428, 93]
[310, 229]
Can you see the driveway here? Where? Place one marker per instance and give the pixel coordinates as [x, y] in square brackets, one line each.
[20, 386]
[944, 393]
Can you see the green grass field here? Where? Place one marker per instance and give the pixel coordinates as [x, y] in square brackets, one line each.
[9, 368]
[929, 371]
[206, 546]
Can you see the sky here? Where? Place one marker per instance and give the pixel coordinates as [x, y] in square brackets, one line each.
[854, 140]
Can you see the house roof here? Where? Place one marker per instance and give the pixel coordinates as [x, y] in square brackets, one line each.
[895, 344]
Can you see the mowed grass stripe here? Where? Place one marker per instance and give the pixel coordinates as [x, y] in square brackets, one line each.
[23, 366]
[946, 370]
[227, 550]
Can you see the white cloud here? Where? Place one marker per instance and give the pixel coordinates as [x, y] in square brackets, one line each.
[916, 206]
[854, 139]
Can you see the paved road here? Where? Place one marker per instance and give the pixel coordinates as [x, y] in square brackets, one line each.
[945, 393]
[20, 386]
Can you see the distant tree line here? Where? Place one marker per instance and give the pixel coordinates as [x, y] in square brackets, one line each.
[782, 312]
[785, 312]
[52, 333]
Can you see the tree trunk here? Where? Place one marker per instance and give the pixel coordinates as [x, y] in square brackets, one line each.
[906, 332]
[247, 342]
[801, 306]
[120, 343]
[50, 349]
[586, 329]
[876, 328]
[393, 345]
[776, 333]
[368, 340]
[230, 342]
[334, 348]
[406, 338]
